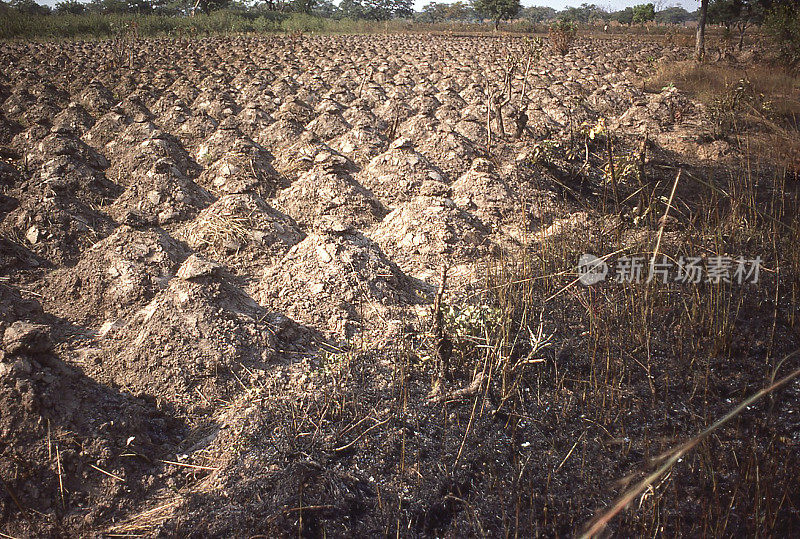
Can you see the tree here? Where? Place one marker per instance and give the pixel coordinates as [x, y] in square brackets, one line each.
[623, 17]
[643, 13]
[324, 8]
[673, 15]
[402, 9]
[352, 9]
[108, 6]
[29, 7]
[740, 14]
[73, 7]
[538, 13]
[434, 12]
[783, 24]
[700, 38]
[378, 10]
[460, 11]
[580, 14]
[207, 6]
[497, 10]
[302, 6]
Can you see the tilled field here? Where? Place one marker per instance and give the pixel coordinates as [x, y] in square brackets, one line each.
[219, 255]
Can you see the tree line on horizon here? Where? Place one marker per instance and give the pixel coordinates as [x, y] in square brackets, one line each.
[434, 12]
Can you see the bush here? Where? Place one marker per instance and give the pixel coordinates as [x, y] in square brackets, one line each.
[783, 24]
[523, 26]
[562, 35]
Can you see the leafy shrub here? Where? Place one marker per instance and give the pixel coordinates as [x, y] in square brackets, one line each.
[729, 110]
[562, 34]
[783, 24]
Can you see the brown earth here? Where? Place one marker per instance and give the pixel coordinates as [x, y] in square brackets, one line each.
[217, 268]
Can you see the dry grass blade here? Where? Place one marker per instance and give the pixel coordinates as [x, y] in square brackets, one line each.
[676, 454]
[664, 220]
[146, 520]
[12, 495]
[217, 229]
[193, 466]
[109, 474]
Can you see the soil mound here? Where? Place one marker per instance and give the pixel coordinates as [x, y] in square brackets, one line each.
[70, 448]
[360, 144]
[319, 198]
[335, 280]
[160, 196]
[449, 151]
[483, 192]
[196, 341]
[63, 143]
[139, 146]
[57, 216]
[116, 277]
[242, 231]
[245, 169]
[398, 174]
[329, 125]
[307, 153]
[426, 231]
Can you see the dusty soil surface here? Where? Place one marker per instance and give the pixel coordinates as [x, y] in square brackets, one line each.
[217, 272]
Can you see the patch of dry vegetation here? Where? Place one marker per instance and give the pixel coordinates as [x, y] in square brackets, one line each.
[756, 104]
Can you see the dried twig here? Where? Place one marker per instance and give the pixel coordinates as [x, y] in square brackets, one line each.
[442, 344]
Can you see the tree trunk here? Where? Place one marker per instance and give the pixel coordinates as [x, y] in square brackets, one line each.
[496, 25]
[700, 41]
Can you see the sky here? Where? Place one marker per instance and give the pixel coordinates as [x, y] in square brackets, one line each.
[610, 5]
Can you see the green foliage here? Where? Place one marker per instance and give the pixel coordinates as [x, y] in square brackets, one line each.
[377, 10]
[73, 7]
[15, 25]
[538, 13]
[457, 11]
[624, 17]
[643, 13]
[673, 15]
[783, 24]
[207, 6]
[562, 34]
[28, 7]
[108, 6]
[496, 10]
[728, 110]
[467, 321]
[583, 14]
[738, 13]
[325, 8]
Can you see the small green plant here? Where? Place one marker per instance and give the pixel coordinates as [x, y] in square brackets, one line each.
[625, 169]
[543, 152]
[471, 320]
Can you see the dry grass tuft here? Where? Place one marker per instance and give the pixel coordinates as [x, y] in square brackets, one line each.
[219, 229]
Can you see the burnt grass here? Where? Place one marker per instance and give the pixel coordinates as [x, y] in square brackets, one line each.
[223, 313]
